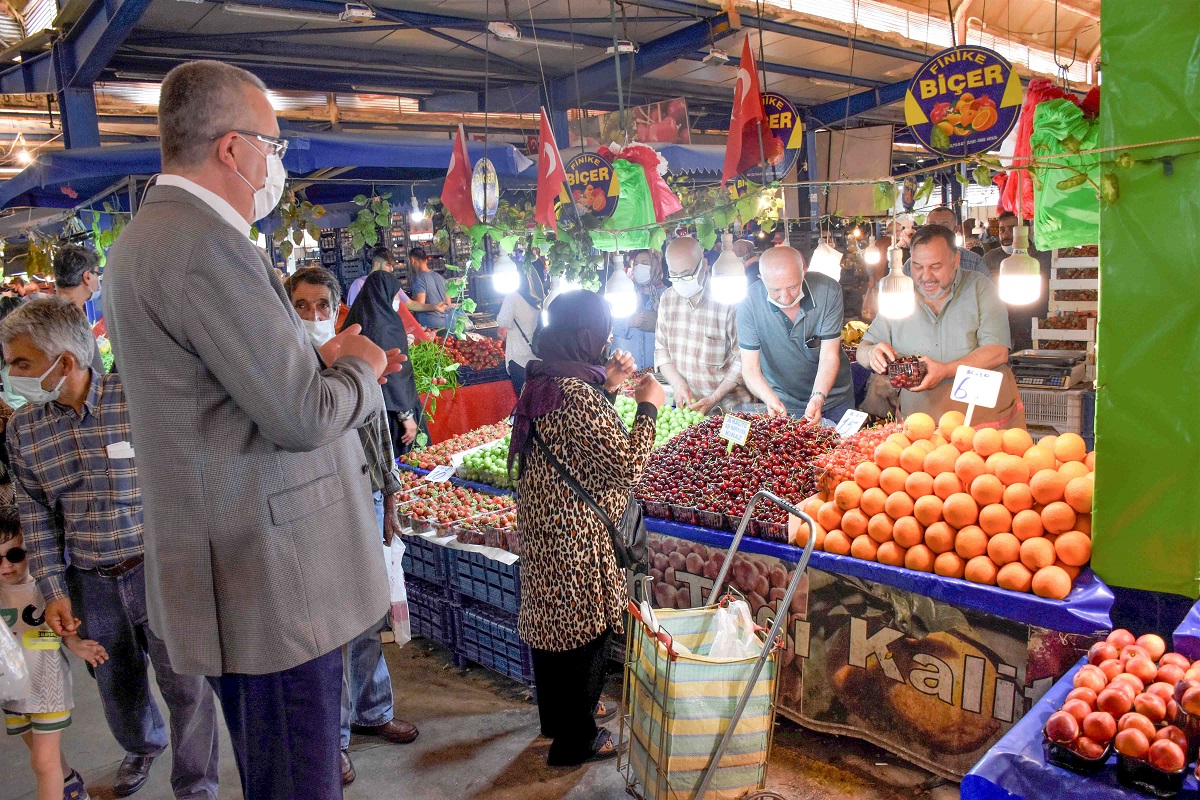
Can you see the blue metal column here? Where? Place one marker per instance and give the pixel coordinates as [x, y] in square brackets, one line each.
[80, 123]
[814, 192]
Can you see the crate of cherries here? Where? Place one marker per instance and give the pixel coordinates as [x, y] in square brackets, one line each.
[906, 372]
[1134, 698]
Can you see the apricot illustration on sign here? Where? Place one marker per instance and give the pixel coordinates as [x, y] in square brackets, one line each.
[969, 115]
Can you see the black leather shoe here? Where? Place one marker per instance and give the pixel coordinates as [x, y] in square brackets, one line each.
[132, 775]
[348, 774]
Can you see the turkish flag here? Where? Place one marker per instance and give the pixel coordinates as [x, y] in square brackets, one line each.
[747, 126]
[456, 193]
[551, 176]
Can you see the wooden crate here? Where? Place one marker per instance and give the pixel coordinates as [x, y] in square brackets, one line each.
[1067, 284]
[1042, 337]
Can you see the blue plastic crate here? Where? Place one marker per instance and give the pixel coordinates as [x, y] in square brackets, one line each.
[488, 637]
[426, 561]
[489, 581]
[429, 612]
[473, 377]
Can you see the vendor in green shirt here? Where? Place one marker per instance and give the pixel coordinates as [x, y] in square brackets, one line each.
[959, 320]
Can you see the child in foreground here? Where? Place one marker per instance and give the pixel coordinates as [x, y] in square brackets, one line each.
[40, 718]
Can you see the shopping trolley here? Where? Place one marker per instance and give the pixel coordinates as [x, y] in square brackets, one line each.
[695, 727]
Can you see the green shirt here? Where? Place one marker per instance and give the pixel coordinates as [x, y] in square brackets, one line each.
[973, 316]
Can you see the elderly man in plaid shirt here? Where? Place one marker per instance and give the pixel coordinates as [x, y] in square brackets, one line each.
[81, 513]
[696, 345]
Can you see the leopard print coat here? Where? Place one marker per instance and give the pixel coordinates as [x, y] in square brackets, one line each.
[571, 587]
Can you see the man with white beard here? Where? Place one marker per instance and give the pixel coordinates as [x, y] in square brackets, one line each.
[959, 320]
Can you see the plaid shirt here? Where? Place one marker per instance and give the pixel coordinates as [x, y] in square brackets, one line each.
[699, 337]
[377, 446]
[78, 505]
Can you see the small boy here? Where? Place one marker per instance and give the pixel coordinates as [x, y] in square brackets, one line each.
[41, 717]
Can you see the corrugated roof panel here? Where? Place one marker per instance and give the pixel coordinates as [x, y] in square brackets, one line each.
[10, 30]
[39, 14]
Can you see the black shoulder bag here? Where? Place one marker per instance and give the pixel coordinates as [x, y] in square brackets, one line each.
[629, 538]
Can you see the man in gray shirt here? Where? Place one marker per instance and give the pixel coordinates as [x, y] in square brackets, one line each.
[428, 287]
[967, 259]
[789, 332]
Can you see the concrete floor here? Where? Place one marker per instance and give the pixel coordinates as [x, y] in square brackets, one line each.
[479, 741]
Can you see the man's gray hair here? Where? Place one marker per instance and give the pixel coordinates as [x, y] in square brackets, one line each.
[54, 326]
[201, 101]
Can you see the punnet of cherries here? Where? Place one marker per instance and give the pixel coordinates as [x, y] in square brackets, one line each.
[695, 471]
[906, 372]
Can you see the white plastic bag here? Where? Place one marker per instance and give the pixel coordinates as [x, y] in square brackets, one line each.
[14, 672]
[393, 556]
[734, 632]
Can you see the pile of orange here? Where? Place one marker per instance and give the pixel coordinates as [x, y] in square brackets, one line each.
[987, 505]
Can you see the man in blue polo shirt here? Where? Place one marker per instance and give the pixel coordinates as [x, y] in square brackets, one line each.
[789, 329]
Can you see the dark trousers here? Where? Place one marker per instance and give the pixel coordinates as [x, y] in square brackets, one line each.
[516, 374]
[396, 430]
[113, 611]
[569, 683]
[285, 729]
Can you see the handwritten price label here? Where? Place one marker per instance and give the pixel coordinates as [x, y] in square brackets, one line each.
[440, 474]
[735, 429]
[851, 422]
[977, 387]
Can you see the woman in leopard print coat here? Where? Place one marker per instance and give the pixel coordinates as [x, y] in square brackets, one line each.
[572, 591]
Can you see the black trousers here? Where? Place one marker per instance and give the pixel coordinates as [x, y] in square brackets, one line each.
[569, 683]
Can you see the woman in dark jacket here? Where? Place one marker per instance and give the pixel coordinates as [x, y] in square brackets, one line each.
[572, 591]
[375, 310]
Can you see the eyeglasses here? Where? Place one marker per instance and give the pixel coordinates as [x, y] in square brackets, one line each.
[15, 555]
[276, 145]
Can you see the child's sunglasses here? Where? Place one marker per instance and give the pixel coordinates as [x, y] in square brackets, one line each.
[15, 555]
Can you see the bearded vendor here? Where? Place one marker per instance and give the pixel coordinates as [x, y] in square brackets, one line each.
[959, 320]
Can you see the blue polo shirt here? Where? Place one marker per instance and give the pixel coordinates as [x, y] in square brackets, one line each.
[790, 352]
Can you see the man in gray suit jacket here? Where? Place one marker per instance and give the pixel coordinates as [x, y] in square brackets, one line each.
[262, 549]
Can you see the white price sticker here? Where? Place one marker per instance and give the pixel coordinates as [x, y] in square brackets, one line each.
[735, 429]
[440, 474]
[977, 387]
[851, 422]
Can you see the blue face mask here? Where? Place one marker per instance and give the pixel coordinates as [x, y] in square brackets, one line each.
[31, 388]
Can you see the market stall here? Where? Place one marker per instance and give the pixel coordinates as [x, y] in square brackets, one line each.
[875, 649]
[1036, 759]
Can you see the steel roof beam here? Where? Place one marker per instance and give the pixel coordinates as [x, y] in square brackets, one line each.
[835, 111]
[751, 22]
[799, 72]
[575, 89]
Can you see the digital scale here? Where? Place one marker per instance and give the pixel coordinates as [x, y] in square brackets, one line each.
[1048, 369]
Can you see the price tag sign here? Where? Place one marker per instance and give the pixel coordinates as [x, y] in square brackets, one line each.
[977, 387]
[440, 474]
[851, 422]
[735, 430]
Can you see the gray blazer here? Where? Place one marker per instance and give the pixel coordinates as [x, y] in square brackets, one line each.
[262, 546]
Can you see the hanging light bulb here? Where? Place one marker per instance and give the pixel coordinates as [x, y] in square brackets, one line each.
[958, 240]
[872, 255]
[417, 214]
[23, 157]
[897, 298]
[620, 292]
[826, 260]
[1020, 280]
[728, 282]
[506, 277]
[857, 232]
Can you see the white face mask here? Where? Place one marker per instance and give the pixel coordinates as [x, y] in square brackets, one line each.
[31, 388]
[1008, 248]
[396, 304]
[687, 287]
[643, 273]
[319, 331]
[268, 197]
[792, 304]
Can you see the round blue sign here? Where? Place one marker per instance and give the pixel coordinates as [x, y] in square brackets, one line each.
[782, 148]
[963, 101]
[593, 185]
